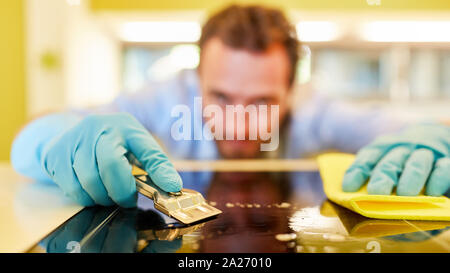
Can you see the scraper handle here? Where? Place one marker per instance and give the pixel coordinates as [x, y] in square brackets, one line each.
[144, 183]
[145, 188]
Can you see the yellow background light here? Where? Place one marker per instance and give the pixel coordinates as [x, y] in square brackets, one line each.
[160, 31]
[406, 31]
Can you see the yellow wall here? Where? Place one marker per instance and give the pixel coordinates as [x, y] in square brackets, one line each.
[12, 72]
[287, 4]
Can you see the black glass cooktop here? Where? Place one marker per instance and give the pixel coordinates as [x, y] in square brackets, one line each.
[262, 212]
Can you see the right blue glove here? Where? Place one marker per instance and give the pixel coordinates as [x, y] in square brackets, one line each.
[410, 160]
[88, 160]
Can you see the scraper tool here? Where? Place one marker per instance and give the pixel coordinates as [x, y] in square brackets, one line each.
[187, 206]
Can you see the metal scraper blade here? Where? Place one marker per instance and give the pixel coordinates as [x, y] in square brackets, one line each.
[187, 206]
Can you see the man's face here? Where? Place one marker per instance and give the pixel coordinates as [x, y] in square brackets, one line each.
[238, 77]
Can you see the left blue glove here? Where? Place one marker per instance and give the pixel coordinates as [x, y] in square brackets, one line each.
[86, 157]
[419, 155]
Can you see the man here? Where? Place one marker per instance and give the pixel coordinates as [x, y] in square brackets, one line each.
[248, 58]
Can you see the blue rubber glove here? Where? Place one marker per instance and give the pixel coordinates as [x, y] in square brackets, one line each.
[417, 156]
[87, 159]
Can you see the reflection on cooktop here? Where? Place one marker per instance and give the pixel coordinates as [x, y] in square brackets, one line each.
[262, 212]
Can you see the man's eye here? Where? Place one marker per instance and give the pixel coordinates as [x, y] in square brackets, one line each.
[221, 99]
[262, 101]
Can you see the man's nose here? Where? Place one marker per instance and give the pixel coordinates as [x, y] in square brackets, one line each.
[241, 126]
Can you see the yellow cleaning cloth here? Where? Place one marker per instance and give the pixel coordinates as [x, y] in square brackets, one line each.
[332, 169]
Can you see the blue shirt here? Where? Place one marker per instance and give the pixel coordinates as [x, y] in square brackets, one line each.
[317, 124]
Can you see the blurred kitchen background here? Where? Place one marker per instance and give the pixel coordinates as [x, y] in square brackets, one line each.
[56, 54]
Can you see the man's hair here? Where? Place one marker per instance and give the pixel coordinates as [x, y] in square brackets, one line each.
[253, 28]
